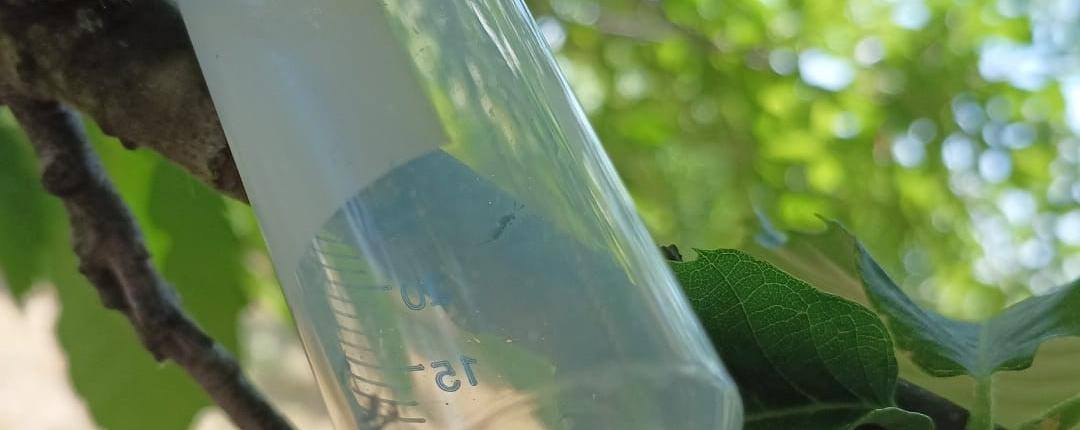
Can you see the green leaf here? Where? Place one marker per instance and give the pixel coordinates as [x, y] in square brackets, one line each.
[204, 259]
[940, 346]
[893, 419]
[26, 215]
[130, 172]
[824, 260]
[946, 347]
[196, 249]
[121, 383]
[802, 358]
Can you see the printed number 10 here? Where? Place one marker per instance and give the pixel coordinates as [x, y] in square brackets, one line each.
[447, 373]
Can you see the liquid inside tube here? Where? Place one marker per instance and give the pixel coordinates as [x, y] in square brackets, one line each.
[442, 301]
[454, 245]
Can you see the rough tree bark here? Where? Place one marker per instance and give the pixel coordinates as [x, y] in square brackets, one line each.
[129, 65]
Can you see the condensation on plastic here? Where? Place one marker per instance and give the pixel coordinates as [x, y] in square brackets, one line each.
[454, 244]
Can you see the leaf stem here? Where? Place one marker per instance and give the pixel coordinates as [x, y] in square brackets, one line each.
[982, 416]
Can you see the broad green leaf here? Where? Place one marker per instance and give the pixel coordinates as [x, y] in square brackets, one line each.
[802, 358]
[26, 212]
[946, 347]
[130, 172]
[934, 345]
[823, 260]
[205, 259]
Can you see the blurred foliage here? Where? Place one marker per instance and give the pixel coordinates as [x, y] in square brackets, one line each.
[835, 262]
[938, 131]
[943, 133]
[27, 226]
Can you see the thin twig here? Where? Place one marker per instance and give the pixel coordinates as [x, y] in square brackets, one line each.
[115, 260]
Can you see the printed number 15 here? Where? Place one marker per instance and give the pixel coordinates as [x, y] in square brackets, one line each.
[446, 372]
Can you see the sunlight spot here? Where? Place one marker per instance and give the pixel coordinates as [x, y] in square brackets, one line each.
[1018, 135]
[1041, 283]
[966, 184]
[824, 70]
[1068, 228]
[922, 130]
[958, 152]
[991, 133]
[968, 114]
[632, 84]
[786, 24]
[995, 165]
[581, 12]
[1023, 66]
[908, 151]
[1036, 254]
[553, 32]
[869, 51]
[1059, 192]
[1012, 8]
[1070, 91]
[1044, 226]
[1018, 206]
[911, 14]
[846, 125]
[1071, 267]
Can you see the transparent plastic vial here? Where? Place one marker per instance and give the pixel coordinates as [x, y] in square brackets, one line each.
[455, 246]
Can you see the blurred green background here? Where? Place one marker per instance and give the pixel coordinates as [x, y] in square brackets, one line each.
[944, 134]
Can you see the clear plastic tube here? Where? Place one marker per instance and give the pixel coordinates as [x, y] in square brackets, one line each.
[455, 246]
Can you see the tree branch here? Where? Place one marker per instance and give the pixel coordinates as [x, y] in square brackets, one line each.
[127, 64]
[115, 260]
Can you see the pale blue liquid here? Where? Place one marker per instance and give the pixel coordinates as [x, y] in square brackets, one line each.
[433, 263]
